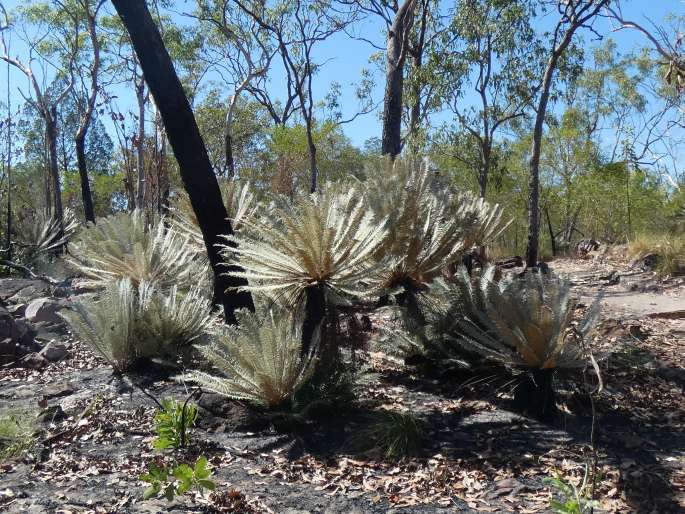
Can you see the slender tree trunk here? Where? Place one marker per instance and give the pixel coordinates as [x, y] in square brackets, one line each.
[184, 136]
[551, 233]
[86, 118]
[534, 178]
[392, 110]
[391, 143]
[314, 169]
[581, 13]
[140, 190]
[51, 138]
[86, 193]
[486, 159]
[230, 162]
[8, 237]
[229, 169]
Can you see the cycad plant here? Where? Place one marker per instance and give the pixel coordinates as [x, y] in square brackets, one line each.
[260, 359]
[430, 228]
[523, 322]
[125, 246]
[310, 254]
[43, 233]
[526, 322]
[127, 324]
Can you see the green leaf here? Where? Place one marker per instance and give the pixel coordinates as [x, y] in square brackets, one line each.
[151, 492]
[207, 484]
[169, 492]
[183, 472]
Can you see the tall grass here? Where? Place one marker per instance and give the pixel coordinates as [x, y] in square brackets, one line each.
[669, 251]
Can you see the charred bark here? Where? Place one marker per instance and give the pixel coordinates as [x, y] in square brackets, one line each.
[188, 147]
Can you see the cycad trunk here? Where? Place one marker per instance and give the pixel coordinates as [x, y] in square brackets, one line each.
[314, 314]
[535, 395]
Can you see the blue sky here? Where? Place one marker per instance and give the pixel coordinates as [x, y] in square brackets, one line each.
[345, 58]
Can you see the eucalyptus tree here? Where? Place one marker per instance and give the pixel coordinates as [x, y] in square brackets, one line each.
[572, 16]
[398, 18]
[295, 28]
[498, 57]
[425, 85]
[240, 51]
[82, 16]
[31, 24]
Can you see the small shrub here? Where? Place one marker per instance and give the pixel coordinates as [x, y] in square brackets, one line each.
[127, 324]
[16, 434]
[177, 479]
[571, 499]
[173, 423]
[260, 359]
[392, 435]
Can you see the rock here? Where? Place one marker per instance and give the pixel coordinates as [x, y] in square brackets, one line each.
[8, 327]
[26, 334]
[10, 287]
[52, 414]
[55, 352]
[44, 309]
[508, 486]
[34, 361]
[36, 289]
[17, 310]
[221, 414]
[647, 262]
[47, 332]
[510, 262]
[612, 278]
[58, 390]
[10, 351]
[585, 246]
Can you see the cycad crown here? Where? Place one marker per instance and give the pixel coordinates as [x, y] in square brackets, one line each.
[42, 234]
[429, 227]
[329, 238]
[523, 321]
[125, 246]
[260, 359]
[128, 323]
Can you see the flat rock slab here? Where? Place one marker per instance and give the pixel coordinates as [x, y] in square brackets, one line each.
[642, 305]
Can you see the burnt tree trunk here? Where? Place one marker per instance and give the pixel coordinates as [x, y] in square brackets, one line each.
[398, 34]
[86, 194]
[184, 136]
